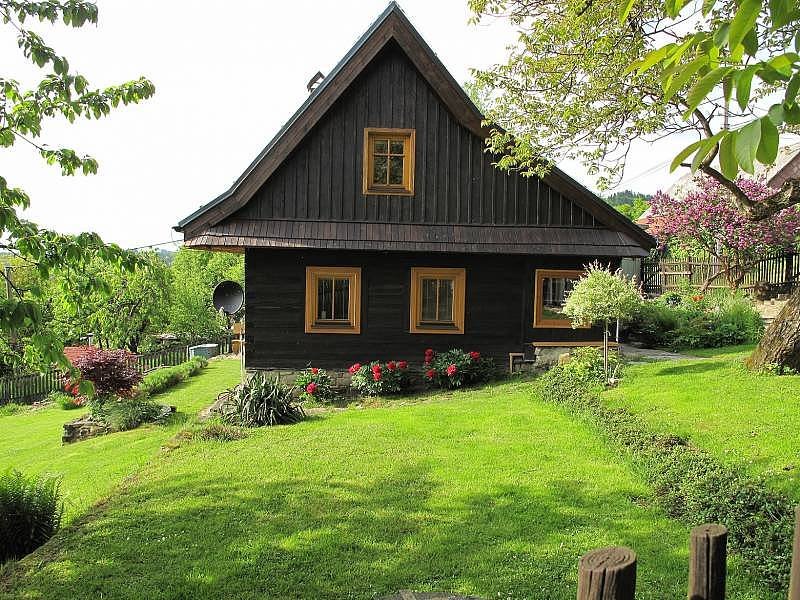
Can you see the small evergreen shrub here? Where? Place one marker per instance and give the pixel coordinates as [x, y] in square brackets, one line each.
[687, 482]
[66, 401]
[260, 401]
[113, 372]
[30, 512]
[456, 368]
[219, 431]
[380, 379]
[164, 378]
[315, 385]
[122, 414]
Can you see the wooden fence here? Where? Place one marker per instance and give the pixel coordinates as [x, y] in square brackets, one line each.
[610, 573]
[32, 387]
[660, 274]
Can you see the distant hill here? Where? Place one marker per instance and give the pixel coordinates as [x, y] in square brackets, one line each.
[630, 203]
[166, 255]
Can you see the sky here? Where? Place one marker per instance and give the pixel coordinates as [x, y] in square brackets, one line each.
[227, 76]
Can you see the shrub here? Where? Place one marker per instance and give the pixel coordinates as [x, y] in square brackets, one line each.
[260, 401]
[221, 432]
[164, 378]
[456, 368]
[30, 512]
[12, 408]
[122, 414]
[113, 372]
[687, 482]
[693, 320]
[315, 385]
[66, 401]
[380, 379]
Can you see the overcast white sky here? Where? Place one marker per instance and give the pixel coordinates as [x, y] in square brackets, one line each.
[227, 75]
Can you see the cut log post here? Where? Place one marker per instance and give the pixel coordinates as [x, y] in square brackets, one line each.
[708, 556]
[794, 581]
[607, 574]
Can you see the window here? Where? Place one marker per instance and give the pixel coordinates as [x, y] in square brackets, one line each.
[437, 300]
[549, 294]
[389, 161]
[333, 300]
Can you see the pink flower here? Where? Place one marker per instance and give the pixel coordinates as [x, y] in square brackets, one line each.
[355, 368]
[311, 388]
[314, 370]
[430, 373]
[452, 370]
[391, 365]
[402, 364]
[474, 355]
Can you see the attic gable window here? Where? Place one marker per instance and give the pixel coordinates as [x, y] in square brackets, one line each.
[389, 161]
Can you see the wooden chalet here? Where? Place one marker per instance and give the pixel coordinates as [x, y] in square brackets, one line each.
[374, 224]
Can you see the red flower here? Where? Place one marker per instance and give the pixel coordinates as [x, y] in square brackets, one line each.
[474, 355]
[376, 368]
[376, 375]
[314, 370]
[429, 352]
[391, 365]
[430, 373]
[402, 364]
[355, 368]
[452, 370]
[311, 388]
[697, 298]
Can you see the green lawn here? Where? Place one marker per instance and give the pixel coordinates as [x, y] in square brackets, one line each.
[487, 492]
[31, 441]
[740, 417]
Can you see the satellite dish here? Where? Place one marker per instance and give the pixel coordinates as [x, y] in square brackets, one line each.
[228, 297]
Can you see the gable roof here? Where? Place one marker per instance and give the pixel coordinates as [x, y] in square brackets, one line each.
[391, 25]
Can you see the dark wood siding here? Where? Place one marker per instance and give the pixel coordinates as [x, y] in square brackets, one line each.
[455, 180]
[498, 319]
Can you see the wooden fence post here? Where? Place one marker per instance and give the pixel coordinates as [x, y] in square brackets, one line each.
[794, 581]
[607, 574]
[708, 562]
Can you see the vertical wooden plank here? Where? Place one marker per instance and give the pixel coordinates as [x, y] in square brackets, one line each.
[607, 574]
[707, 562]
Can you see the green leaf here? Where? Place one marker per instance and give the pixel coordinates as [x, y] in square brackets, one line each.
[708, 5]
[625, 9]
[705, 148]
[683, 154]
[703, 88]
[743, 21]
[768, 146]
[779, 13]
[727, 158]
[721, 35]
[746, 146]
[775, 114]
[684, 76]
[743, 84]
[792, 88]
[650, 59]
[750, 42]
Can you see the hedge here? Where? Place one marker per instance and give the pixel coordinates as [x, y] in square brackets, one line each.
[688, 483]
[166, 377]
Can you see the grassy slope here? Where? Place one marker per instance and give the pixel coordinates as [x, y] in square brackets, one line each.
[740, 417]
[31, 441]
[485, 492]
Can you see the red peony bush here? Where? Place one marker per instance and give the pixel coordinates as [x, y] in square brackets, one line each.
[315, 385]
[456, 368]
[378, 379]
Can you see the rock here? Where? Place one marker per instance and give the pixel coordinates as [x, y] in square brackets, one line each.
[564, 358]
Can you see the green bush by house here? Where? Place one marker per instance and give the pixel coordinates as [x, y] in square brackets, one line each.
[164, 378]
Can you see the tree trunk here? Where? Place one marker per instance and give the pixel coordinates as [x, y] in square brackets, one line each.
[781, 342]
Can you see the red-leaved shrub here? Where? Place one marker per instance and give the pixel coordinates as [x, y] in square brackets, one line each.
[113, 372]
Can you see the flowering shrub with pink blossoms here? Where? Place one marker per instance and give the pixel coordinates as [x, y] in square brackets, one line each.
[456, 368]
[315, 385]
[380, 379]
[708, 220]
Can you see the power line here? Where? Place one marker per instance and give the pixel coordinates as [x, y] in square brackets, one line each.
[155, 245]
